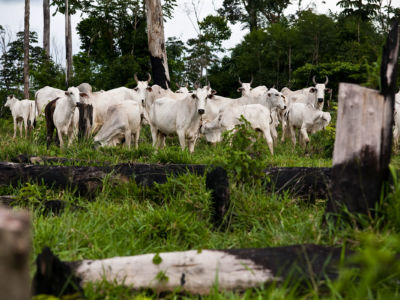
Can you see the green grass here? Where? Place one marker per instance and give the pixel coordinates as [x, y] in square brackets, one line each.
[127, 219]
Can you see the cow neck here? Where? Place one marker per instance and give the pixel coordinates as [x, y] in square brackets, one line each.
[13, 102]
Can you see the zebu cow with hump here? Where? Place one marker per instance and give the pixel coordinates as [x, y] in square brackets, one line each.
[101, 101]
[247, 90]
[182, 117]
[123, 121]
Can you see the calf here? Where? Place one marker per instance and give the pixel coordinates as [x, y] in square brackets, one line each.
[183, 117]
[256, 114]
[23, 112]
[60, 115]
[306, 118]
[123, 120]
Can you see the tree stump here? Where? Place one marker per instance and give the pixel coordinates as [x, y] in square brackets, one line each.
[15, 245]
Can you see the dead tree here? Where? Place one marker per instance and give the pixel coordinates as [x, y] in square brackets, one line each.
[156, 41]
[26, 49]
[46, 27]
[15, 245]
[363, 142]
[68, 45]
[194, 271]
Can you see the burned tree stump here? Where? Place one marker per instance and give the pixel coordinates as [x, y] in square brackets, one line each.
[15, 246]
[363, 142]
[217, 181]
[194, 271]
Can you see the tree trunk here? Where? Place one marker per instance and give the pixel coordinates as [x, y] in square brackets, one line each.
[46, 27]
[68, 45]
[365, 117]
[194, 271]
[155, 34]
[26, 49]
[15, 246]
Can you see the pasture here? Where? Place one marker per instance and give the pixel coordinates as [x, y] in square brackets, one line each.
[126, 219]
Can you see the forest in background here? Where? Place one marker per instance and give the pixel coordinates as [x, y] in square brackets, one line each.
[279, 50]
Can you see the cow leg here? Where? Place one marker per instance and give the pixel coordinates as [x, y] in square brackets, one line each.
[154, 136]
[268, 138]
[128, 138]
[182, 139]
[274, 135]
[304, 135]
[137, 135]
[15, 128]
[161, 140]
[60, 138]
[20, 128]
[293, 134]
[26, 127]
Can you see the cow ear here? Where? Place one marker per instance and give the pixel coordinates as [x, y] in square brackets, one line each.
[312, 90]
[328, 90]
[149, 89]
[269, 94]
[194, 96]
[67, 93]
[240, 89]
[83, 95]
[213, 92]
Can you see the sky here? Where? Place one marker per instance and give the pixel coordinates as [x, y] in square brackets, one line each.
[180, 26]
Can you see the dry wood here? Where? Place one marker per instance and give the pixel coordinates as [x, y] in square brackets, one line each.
[26, 49]
[196, 272]
[14, 254]
[68, 45]
[156, 41]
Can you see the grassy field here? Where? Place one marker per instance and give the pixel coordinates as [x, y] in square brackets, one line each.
[126, 219]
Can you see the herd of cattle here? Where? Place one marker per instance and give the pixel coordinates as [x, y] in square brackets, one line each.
[117, 115]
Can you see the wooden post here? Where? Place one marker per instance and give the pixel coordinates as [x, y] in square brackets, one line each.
[46, 27]
[14, 255]
[155, 34]
[26, 49]
[194, 271]
[364, 138]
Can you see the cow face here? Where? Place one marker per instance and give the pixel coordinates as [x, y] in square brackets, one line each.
[276, 99]
[182, 90]
[245, 89]
[212, 130]
[73, 94]
[141, 88]
[200, 95]
[10, 100]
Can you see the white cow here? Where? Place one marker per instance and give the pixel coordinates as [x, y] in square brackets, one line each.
[45, 95]
[306, 118]
[60, 114]
[257, 115]
[123, 120]
[183, 117]
[314, 95]
[101, 101]
[182, 89]
[23, 112]
[396, 127]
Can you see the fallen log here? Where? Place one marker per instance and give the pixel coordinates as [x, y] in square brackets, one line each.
[195, 272]
[310, 183]
[15, 246]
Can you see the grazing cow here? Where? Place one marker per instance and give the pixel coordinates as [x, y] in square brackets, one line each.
[101, 101]
[306, 118]
[183, 117]
[23, 112]
[256, 114]
[123, 121]
[60, 115]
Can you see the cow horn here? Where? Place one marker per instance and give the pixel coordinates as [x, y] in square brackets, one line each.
[313, 80]
[251, 81]
[166, 84]
[326, 80]
[196, 85]
[209, 85]
[240, 81]
[187, 84]
[178, 85]
[135, 77]
[148, 79]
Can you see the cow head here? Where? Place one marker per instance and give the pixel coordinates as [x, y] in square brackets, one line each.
[10, 99]
[73, 94]
[141, 88]
[200, 95]
[319, 91]
[245, 88]
[182, 89]
[321, 120]
[276, 99]
[212, 129]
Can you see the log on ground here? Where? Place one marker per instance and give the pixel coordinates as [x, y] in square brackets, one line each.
[194, 271]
